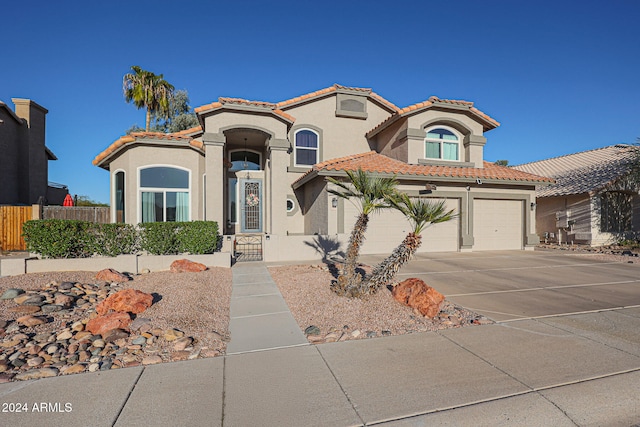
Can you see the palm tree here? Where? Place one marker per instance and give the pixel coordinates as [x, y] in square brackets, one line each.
[148, 90]
[420, 213]
[368, 194]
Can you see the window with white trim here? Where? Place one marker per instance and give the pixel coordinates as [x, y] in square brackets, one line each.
[306, 147]
[164, 194]
[441, 143]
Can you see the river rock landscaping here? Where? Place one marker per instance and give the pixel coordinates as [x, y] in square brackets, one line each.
[75, 323]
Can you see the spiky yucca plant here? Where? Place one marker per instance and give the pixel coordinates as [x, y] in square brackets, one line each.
[421, 214]
[368, 194]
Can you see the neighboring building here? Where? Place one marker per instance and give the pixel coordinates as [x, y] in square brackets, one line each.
[594, 200]
[24, 156]
[259, 168]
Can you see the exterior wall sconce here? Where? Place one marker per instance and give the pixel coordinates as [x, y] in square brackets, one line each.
[267, 237]
[533, 206]
[334, 202]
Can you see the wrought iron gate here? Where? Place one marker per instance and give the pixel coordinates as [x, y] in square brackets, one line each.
[248, 247]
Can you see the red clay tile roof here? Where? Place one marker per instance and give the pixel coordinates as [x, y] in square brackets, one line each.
[334, 88]
[379, 163]
[238, 101]
[139, 136]
[433, 100]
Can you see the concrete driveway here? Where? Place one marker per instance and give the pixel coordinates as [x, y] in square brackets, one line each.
[513, 285]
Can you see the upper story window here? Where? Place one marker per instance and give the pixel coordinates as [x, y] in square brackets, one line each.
[441, 143]
[306, 147]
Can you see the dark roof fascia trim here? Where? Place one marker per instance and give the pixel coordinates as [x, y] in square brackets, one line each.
[50, 154]
[12, 113]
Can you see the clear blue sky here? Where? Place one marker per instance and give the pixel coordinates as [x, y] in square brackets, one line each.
[560, 76]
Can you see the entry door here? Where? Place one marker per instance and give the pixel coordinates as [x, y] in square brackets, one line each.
[251, 205]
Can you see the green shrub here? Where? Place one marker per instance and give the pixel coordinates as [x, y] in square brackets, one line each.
[159, 238]
[197, 237]
[116, 239]
[59, 238]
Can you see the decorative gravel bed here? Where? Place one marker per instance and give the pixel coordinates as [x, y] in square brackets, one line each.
[326, 317]
[189, 319]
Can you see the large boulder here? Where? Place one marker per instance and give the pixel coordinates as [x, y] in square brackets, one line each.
[102, 324]
[111, 275]
[419, 296]
[186, 266]
[126, 301]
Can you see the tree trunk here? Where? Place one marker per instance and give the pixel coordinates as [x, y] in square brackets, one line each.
[384, 272]
[349, 279]
[148, 121]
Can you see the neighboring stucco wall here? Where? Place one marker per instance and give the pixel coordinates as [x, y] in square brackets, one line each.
[138, 156]
[12, 134]
[23, 163]
[575, 208]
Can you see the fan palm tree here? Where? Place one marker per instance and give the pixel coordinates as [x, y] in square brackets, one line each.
[368, 194]
[421, 214]
[148, 90]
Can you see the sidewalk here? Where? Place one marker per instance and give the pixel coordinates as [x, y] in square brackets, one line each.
[572, 370]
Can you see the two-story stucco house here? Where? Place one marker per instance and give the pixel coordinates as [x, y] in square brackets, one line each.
[24, 156]
[259, 168]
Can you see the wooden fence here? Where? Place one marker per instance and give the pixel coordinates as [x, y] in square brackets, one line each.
[11, 220]
[84, 213]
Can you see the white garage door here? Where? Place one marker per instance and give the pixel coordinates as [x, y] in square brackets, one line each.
[497, 224]
[389, 227]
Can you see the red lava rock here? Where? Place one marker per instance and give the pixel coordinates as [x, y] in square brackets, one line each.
[419, 296]
[126, 301]
[111, 275]
[186, 266]
[103, 324]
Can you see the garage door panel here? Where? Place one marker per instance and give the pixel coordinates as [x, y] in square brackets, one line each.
[497, 224]
[388, 228]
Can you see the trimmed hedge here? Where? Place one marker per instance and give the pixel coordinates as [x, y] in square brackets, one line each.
[59, 238]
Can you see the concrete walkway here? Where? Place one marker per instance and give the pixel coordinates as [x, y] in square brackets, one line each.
[564, 370]
[260, 319]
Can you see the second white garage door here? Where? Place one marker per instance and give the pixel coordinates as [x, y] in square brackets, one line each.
[497, 224]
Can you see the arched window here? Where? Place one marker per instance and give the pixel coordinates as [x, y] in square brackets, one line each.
[306, 147]
[245, 160]
[442, 143]
[119, 194]
[164, 194]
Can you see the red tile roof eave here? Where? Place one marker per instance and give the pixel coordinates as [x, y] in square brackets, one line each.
[103, 159]
[378, 163]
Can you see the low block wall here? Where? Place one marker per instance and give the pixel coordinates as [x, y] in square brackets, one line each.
[133, 264]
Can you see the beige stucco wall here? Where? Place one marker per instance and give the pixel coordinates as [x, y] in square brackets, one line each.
[341, 136]
[404, 139]
[137, 156]
[216, 123]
